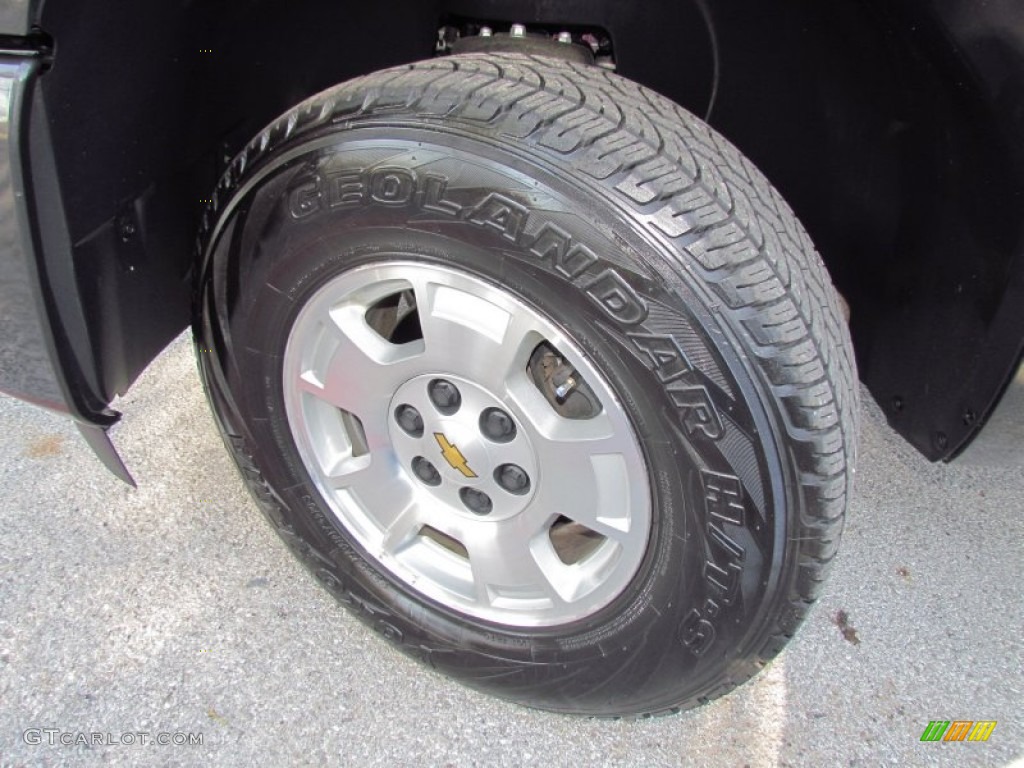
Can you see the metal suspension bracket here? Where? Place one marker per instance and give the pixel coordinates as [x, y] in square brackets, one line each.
[582, 46]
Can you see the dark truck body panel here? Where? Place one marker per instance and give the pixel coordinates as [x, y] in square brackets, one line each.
[895, 129]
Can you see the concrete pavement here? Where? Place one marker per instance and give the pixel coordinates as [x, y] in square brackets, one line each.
[174, 609]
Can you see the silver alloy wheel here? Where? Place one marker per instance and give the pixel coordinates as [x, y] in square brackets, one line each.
[438, 451]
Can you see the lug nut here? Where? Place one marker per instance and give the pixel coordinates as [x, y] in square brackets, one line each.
[409, 419]
[497, 425]
[486, 32]
[445, 396]
[426, 471]
[517, 30]
[565, 37]
[512, 478]
[477, 502]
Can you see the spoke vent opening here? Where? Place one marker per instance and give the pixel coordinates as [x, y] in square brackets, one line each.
[452, 545]
[572, 541]
[561, 384]
[396, 317]
[353, 427]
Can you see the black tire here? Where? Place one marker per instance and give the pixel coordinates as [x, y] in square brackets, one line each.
[669, 261]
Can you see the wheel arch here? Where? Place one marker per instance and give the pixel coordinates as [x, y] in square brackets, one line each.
[893, 129]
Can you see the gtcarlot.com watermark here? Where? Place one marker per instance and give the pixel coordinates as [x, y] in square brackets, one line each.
[54, 737]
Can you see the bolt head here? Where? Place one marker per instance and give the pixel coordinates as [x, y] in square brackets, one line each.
[497, 425]
[426, 471]
[126, 228]
[409, 419]
[478, 502]
[565, 37]
[445, 396]
[517, 30]
[512, 478]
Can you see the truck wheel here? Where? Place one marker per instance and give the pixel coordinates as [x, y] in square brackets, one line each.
[537, 374]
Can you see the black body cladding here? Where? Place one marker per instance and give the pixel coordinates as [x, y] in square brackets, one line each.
[893, 128]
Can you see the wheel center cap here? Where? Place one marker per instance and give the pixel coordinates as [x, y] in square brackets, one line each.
[463, 446]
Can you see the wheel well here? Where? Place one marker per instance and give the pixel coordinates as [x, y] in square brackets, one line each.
[872, 118]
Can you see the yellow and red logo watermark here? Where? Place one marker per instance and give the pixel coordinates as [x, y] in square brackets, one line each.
[958, 730]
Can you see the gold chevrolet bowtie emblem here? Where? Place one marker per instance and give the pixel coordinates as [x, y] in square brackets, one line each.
[453, 455]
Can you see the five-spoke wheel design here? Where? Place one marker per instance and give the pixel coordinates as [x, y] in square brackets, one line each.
[467, 444]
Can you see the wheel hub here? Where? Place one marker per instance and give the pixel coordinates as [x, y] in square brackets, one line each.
[485, 466]
[424, 404]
